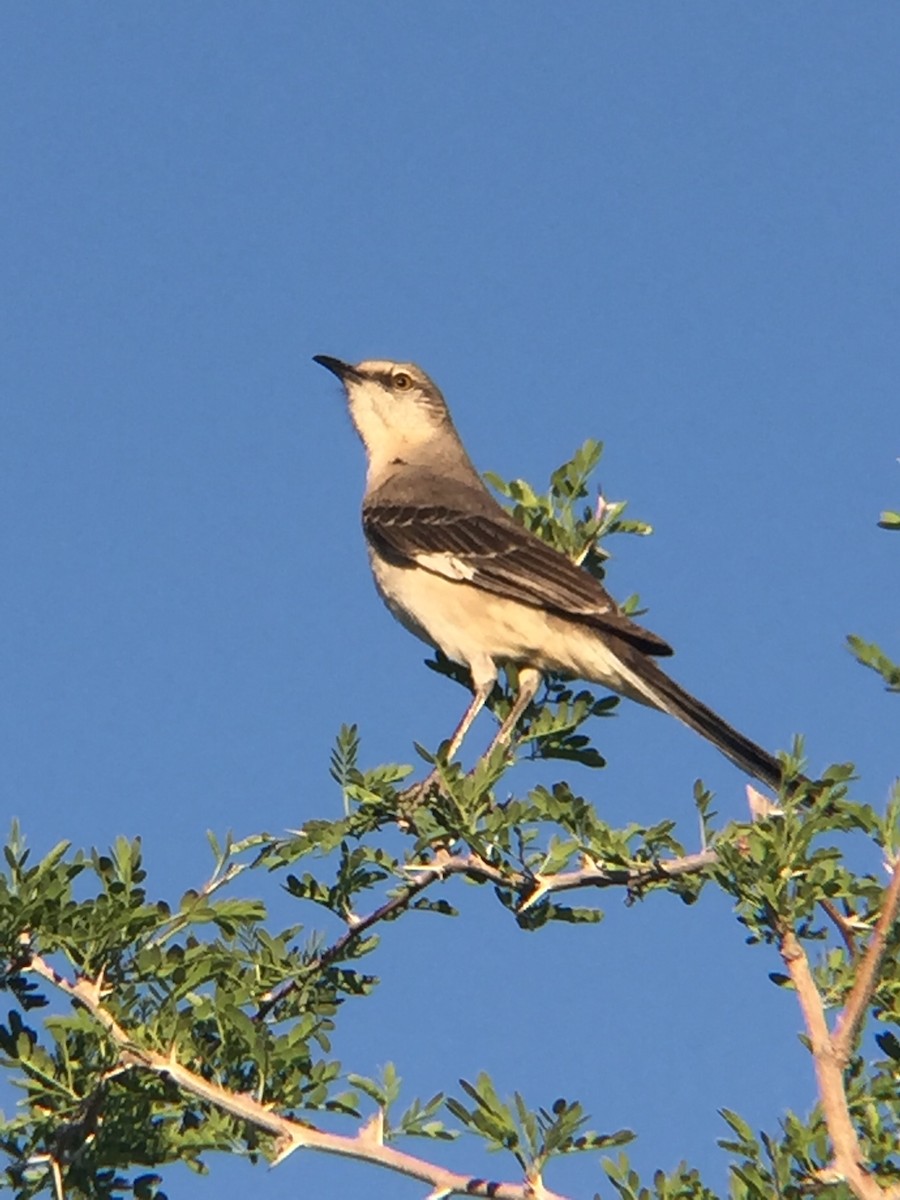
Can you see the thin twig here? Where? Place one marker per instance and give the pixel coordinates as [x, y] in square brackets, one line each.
[353, 933]
[290, 1134]
[179, 920]
[844, 927]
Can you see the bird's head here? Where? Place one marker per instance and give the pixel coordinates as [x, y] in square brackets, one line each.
[398, 411]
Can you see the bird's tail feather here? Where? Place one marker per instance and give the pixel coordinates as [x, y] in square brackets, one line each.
[663, 692]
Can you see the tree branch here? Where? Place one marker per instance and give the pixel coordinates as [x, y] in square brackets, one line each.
[290, 1134]
[848, 1164]
[531, 886]
[867, 976]
[628, 877]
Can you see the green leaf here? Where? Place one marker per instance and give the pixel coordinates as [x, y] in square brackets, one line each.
[889, 1044]
[873, 657]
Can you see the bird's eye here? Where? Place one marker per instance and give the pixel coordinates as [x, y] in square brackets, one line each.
[402, 381]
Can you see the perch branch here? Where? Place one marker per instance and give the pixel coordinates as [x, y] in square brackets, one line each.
[532, 887]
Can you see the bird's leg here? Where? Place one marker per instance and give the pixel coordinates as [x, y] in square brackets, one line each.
[529, 682]
[482, 691]
[479, 699]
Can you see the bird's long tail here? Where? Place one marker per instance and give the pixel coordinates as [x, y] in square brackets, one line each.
[659, 690]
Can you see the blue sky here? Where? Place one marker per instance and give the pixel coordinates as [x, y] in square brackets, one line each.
[670, 227]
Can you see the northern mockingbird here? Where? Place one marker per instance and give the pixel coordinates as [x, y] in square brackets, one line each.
[457, 571]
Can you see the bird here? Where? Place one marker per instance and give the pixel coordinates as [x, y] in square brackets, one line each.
[455, 568]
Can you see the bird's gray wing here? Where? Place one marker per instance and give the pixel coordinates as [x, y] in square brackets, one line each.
[493, 552]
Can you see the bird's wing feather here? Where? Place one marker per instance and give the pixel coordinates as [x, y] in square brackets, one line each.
[493, 552]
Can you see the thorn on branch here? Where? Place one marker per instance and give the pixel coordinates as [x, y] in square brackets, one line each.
[372, 1133]
[761, 806]
[543, 885]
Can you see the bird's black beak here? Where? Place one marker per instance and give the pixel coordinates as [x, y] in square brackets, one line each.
[336, 366]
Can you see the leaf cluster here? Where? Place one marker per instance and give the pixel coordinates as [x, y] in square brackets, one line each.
[560, 515]
[532, 1137]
